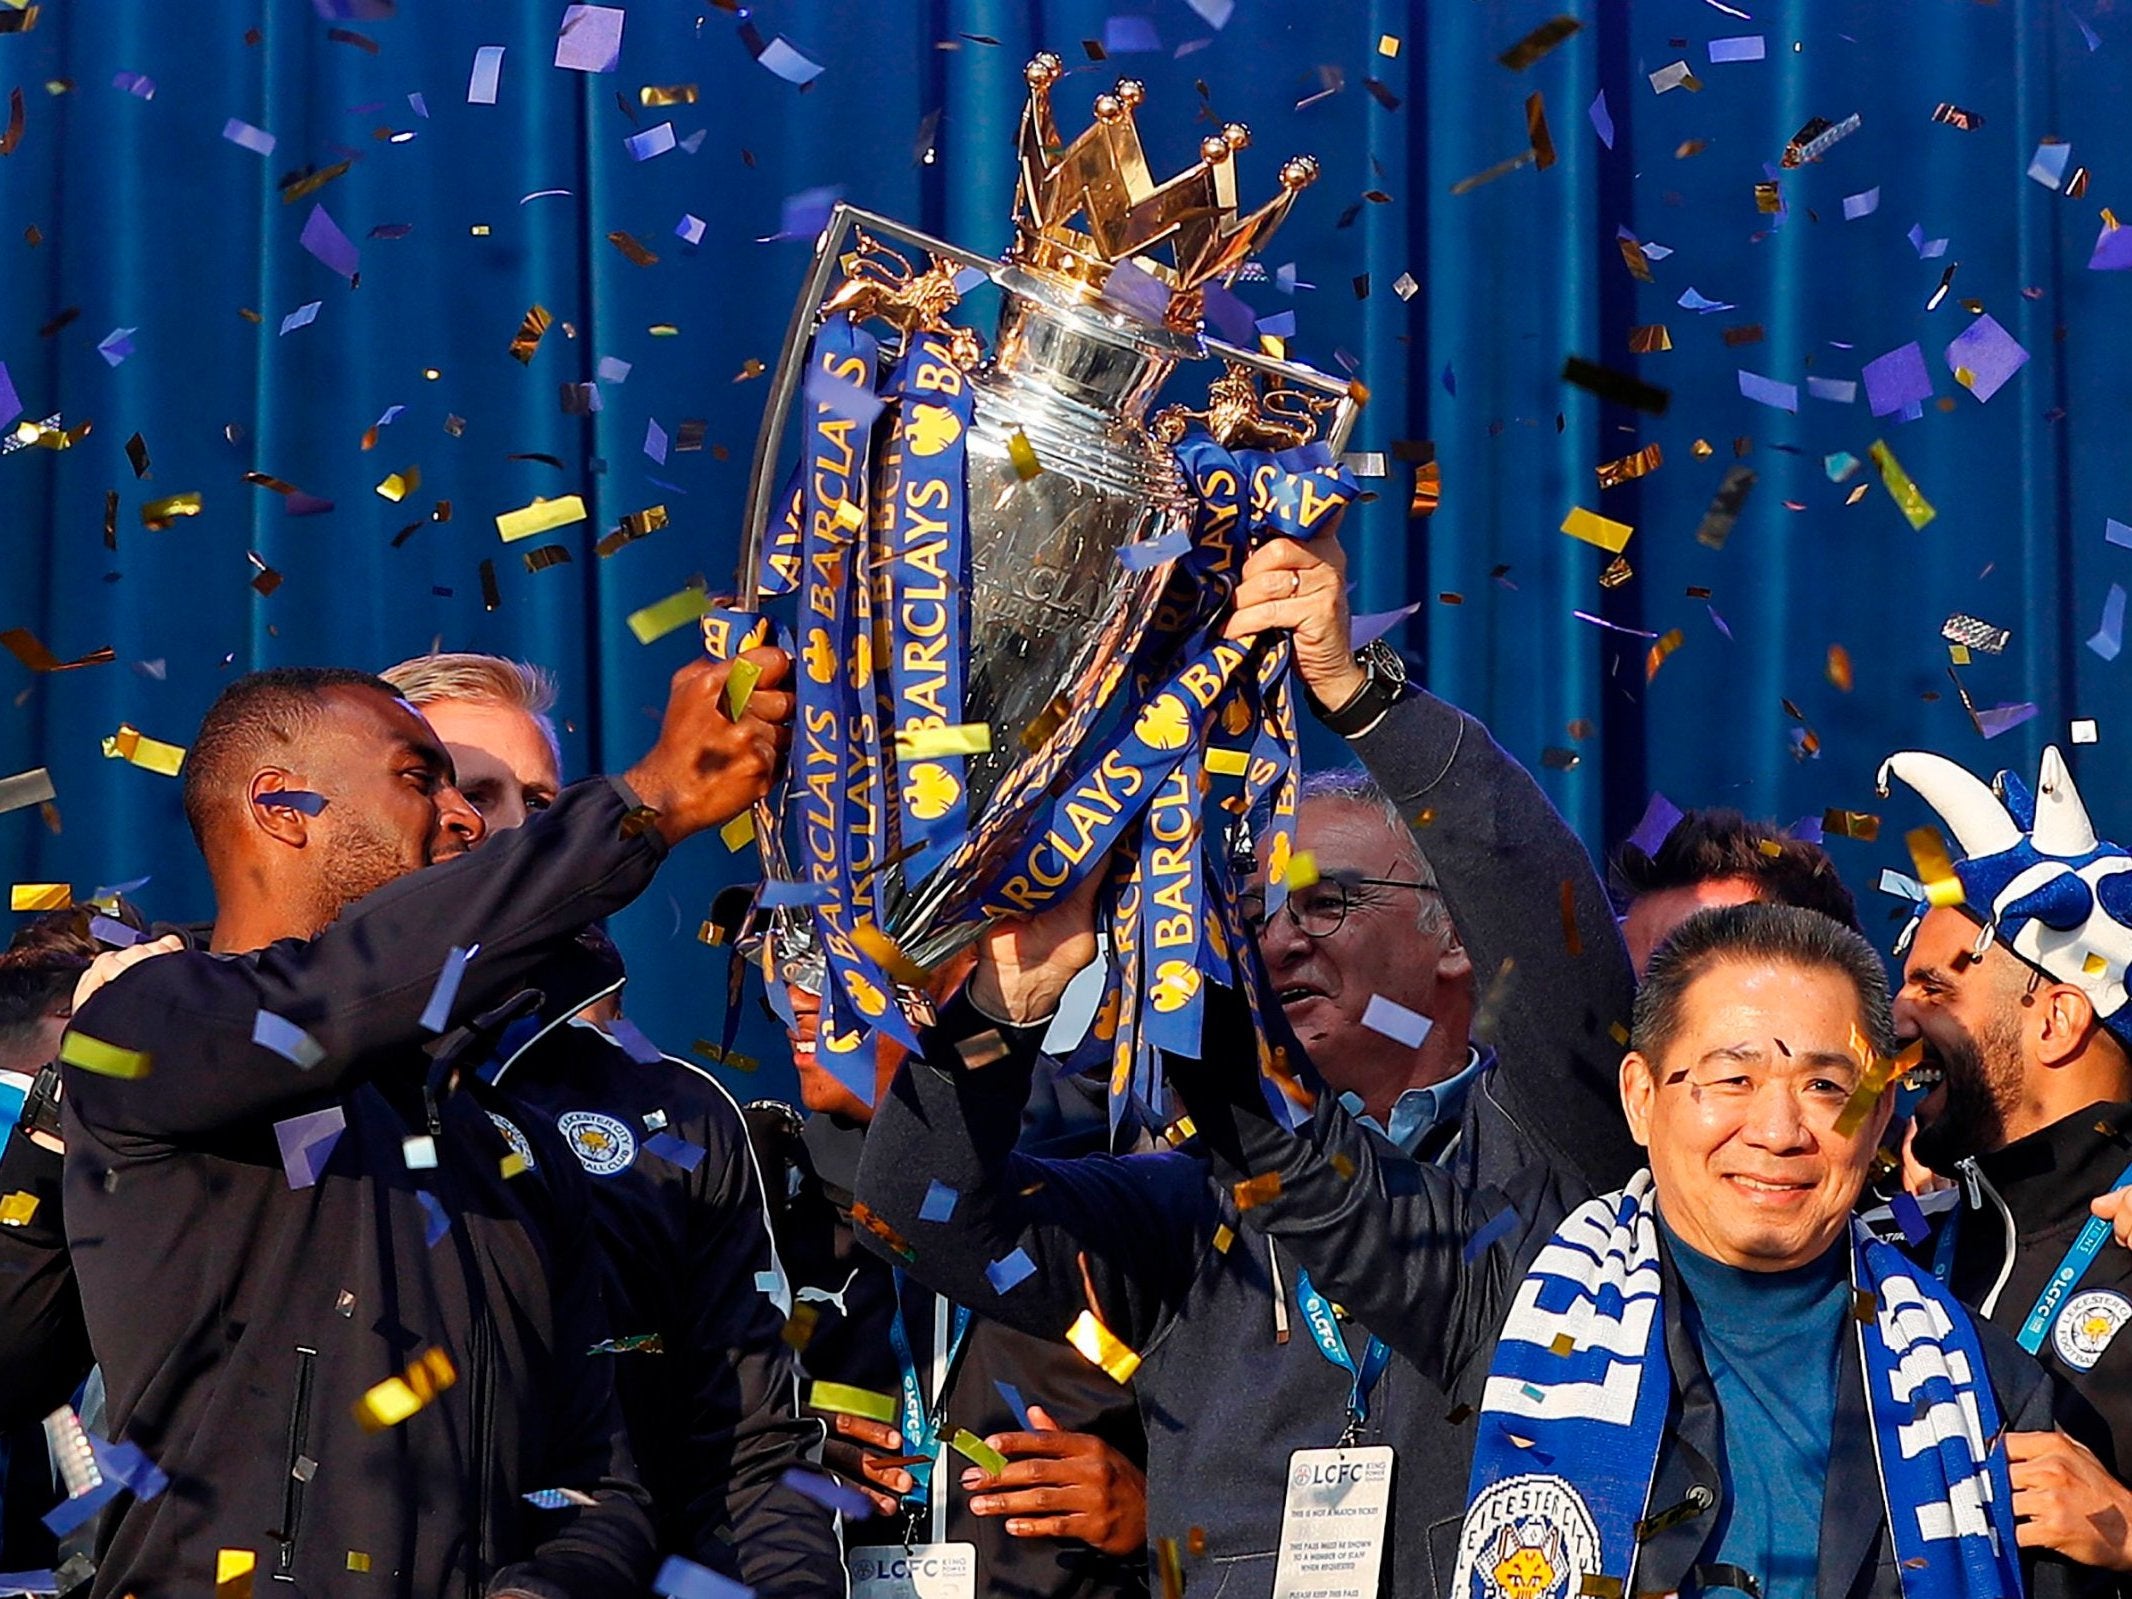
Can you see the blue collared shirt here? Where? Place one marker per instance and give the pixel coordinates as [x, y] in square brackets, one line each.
[1419, 1109]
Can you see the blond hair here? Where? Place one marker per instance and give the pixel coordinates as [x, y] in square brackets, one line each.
[479, 680]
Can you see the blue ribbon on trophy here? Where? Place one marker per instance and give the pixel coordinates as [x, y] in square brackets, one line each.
[925, 564]
[778, 566]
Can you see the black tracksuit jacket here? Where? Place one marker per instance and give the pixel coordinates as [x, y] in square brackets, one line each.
[713, 1415]
[240, 1320]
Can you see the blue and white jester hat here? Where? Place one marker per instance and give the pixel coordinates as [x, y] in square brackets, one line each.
[2034, 875]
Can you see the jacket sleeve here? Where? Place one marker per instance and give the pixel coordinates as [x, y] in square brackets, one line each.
[44, 1346]
[1504, 858]
[361, 986]
[1142, 1222]
[744, 1429]
[1416, 1259]
[604, 1550]
[2040, 1402]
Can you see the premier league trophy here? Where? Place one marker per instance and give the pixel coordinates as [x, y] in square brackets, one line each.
[1008, 574]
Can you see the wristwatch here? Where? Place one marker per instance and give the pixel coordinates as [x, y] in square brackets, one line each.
[1384, 684]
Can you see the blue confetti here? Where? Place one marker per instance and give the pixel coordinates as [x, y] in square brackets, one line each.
[437, 1013]
[679, 1151]
[1910, 1216]
[939, 1202]
[1015, 1403]
[829, 1493]
[1489, 1231]
[1010, 1271]
[684, 1579]
[439, 1223]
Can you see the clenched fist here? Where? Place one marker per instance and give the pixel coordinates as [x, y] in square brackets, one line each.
[710, 765]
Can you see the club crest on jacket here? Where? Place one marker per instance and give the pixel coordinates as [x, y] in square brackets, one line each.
[603, 1146]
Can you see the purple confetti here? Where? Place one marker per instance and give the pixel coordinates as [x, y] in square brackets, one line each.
[435, 1223]
[1841, 390]
[828, 1492]
[1719, 622]
[652, 141]
[302, 317]
[2113, 250]
[1015, 1403]
[115, 933]
[779, 894]
[1989, 352]
[1898, 380]
[679, 1578]
[10, 401]
[138, 84]
[420, 105]
[2047, 166]
[788, 63]
[1861, 205]
[307, 1143]
[286, 1039]
[1807, 829]
[675, 1150]
[805, 214]
[438, 1011]
[1150, 553]
[1136, 289]
[257, 140]
[2110, 636]
[1740, 47]
[1910, 1217]
[690, 228]
[1009, 1271]
[117, 345]
[1281, 325]
[590, 39]
[1216, 13]
[323, 238]
[1602, 120]
[2001, 718]
[1927, 249]
[939, 1202]
[1366, 630]
[1124, 36]
[1768, 391]
[1229, 315]
[1660, 817]
[2116, 532]
[634, 1044]
[1694, 301]
[1489, 1231]
[488, 70]
[655, 440]
[847, 402]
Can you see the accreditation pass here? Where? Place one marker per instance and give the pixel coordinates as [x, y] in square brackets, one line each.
[1332, 1525]
[921, 1571]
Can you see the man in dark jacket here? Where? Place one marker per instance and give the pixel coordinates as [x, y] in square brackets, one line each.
[1233, 1377]
[1711, 1380]
[2014, 989]
[1067, 1518]
[711, 1398]
[340, 1296]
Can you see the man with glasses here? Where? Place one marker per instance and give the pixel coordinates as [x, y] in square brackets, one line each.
[1384, 968]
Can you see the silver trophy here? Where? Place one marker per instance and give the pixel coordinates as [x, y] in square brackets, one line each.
[1090, 331]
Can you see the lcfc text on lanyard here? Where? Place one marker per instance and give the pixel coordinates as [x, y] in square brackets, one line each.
[922, 1423]
[1332, 1344]
[2093, 1235]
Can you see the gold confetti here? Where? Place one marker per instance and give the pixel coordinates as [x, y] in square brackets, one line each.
[527, 339]
[1935, 866]
[358, 1561]
[1224, 1236]
[1536, 134]
[233, 1573]
[539, 517]
[1538, 42]
[1612, 474]
[750, 368]
[633, 248]
[547, 555]
[1839, 667]
[1302, 871]
[150, 754]
[1909, 499]
[1388, 45]
[657, 620]
[1489, 174]
[156, 515]
[1650, 340]
[1102, 1348]
[1673, 640]
[17, 1208]
[40, 897]
[952, 738]
[653, 94]
[1857, 825]
[30, 650]
[513, 1164]
[106, 1060]
[887, 954]
[1563, 1344]
[1259, 1190]
[739, 833]
[401, 484]
[1593, 528]
[313, 182]
[740, 680]
[1023, 454]
[1228, 763]
[975, 1450]
[843, 1399]
[1618, 571]
[396, 1398]
[1170, 1568]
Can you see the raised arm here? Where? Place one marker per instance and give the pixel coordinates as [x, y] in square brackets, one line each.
[1141, 1222]
[363, 986]
[1502, 854]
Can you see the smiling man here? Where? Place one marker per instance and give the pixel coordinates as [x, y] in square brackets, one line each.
[1710, 1379]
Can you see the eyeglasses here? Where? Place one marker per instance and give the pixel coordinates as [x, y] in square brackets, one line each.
[1319, 910]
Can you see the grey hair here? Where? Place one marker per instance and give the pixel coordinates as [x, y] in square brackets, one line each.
[1757, 934]
[1352, 785]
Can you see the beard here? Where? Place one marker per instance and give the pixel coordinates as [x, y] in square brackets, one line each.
[1983, 1077]
[362, 857]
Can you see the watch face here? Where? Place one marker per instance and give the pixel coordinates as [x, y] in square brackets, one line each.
[1385, 664]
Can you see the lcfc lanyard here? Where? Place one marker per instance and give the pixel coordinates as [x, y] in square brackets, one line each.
[921, 1426]
[2070, 1270]
[1332, 1344]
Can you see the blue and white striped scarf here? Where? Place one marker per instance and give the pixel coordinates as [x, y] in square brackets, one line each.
[1576, 1402]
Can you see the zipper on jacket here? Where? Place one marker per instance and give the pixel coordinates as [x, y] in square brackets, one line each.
[300, 1465]
[1979, 1185]
[484, 1434]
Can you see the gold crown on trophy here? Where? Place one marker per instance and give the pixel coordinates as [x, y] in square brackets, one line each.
[1102, 178]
